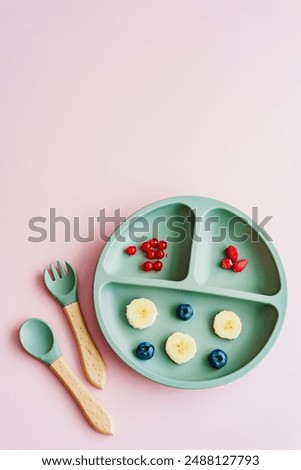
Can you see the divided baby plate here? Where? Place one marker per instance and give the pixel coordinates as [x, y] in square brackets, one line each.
[197, 230]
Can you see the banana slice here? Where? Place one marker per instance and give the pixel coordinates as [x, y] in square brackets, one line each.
[141, 313]
[180, 347]
[227, 324]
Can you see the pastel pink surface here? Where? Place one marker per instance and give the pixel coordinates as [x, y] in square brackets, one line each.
[116, 105]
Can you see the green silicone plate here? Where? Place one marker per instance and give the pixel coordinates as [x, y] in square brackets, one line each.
[197, 230]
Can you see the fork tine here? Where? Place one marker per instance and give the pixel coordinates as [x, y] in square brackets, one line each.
[54, 271]
[69, 268]
[62, 272]
[47, 277]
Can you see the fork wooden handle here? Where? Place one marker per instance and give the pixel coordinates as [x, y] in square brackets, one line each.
[94, 411]
[92, 362]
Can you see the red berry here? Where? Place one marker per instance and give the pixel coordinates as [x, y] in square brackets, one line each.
[157, 265]
[131, 250]
[147, 266]
[162, 245]
[227, 263]
[160, 254]
[240, 265]
[153, 242]
[145, 246]
[232, 253]
[151, 254]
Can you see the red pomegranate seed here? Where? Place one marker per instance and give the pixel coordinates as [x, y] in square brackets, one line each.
[232, 253]
[131, 250]
[153, 242]
[151, 254]
[147, 266]
[240, 265]
[159, 254]
[157, 266]
[145, 246]
[162, 245]
[227, 263]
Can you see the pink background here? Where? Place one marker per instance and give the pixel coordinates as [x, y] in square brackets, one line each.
[118, 104]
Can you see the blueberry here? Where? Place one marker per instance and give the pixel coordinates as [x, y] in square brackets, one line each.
[184, 312]
[145, 351]
[217, 358]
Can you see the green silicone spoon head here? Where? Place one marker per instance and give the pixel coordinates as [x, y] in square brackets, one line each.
[37, 338]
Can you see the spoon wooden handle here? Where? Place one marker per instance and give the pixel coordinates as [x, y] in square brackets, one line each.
[92, 362]
[94, 411]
